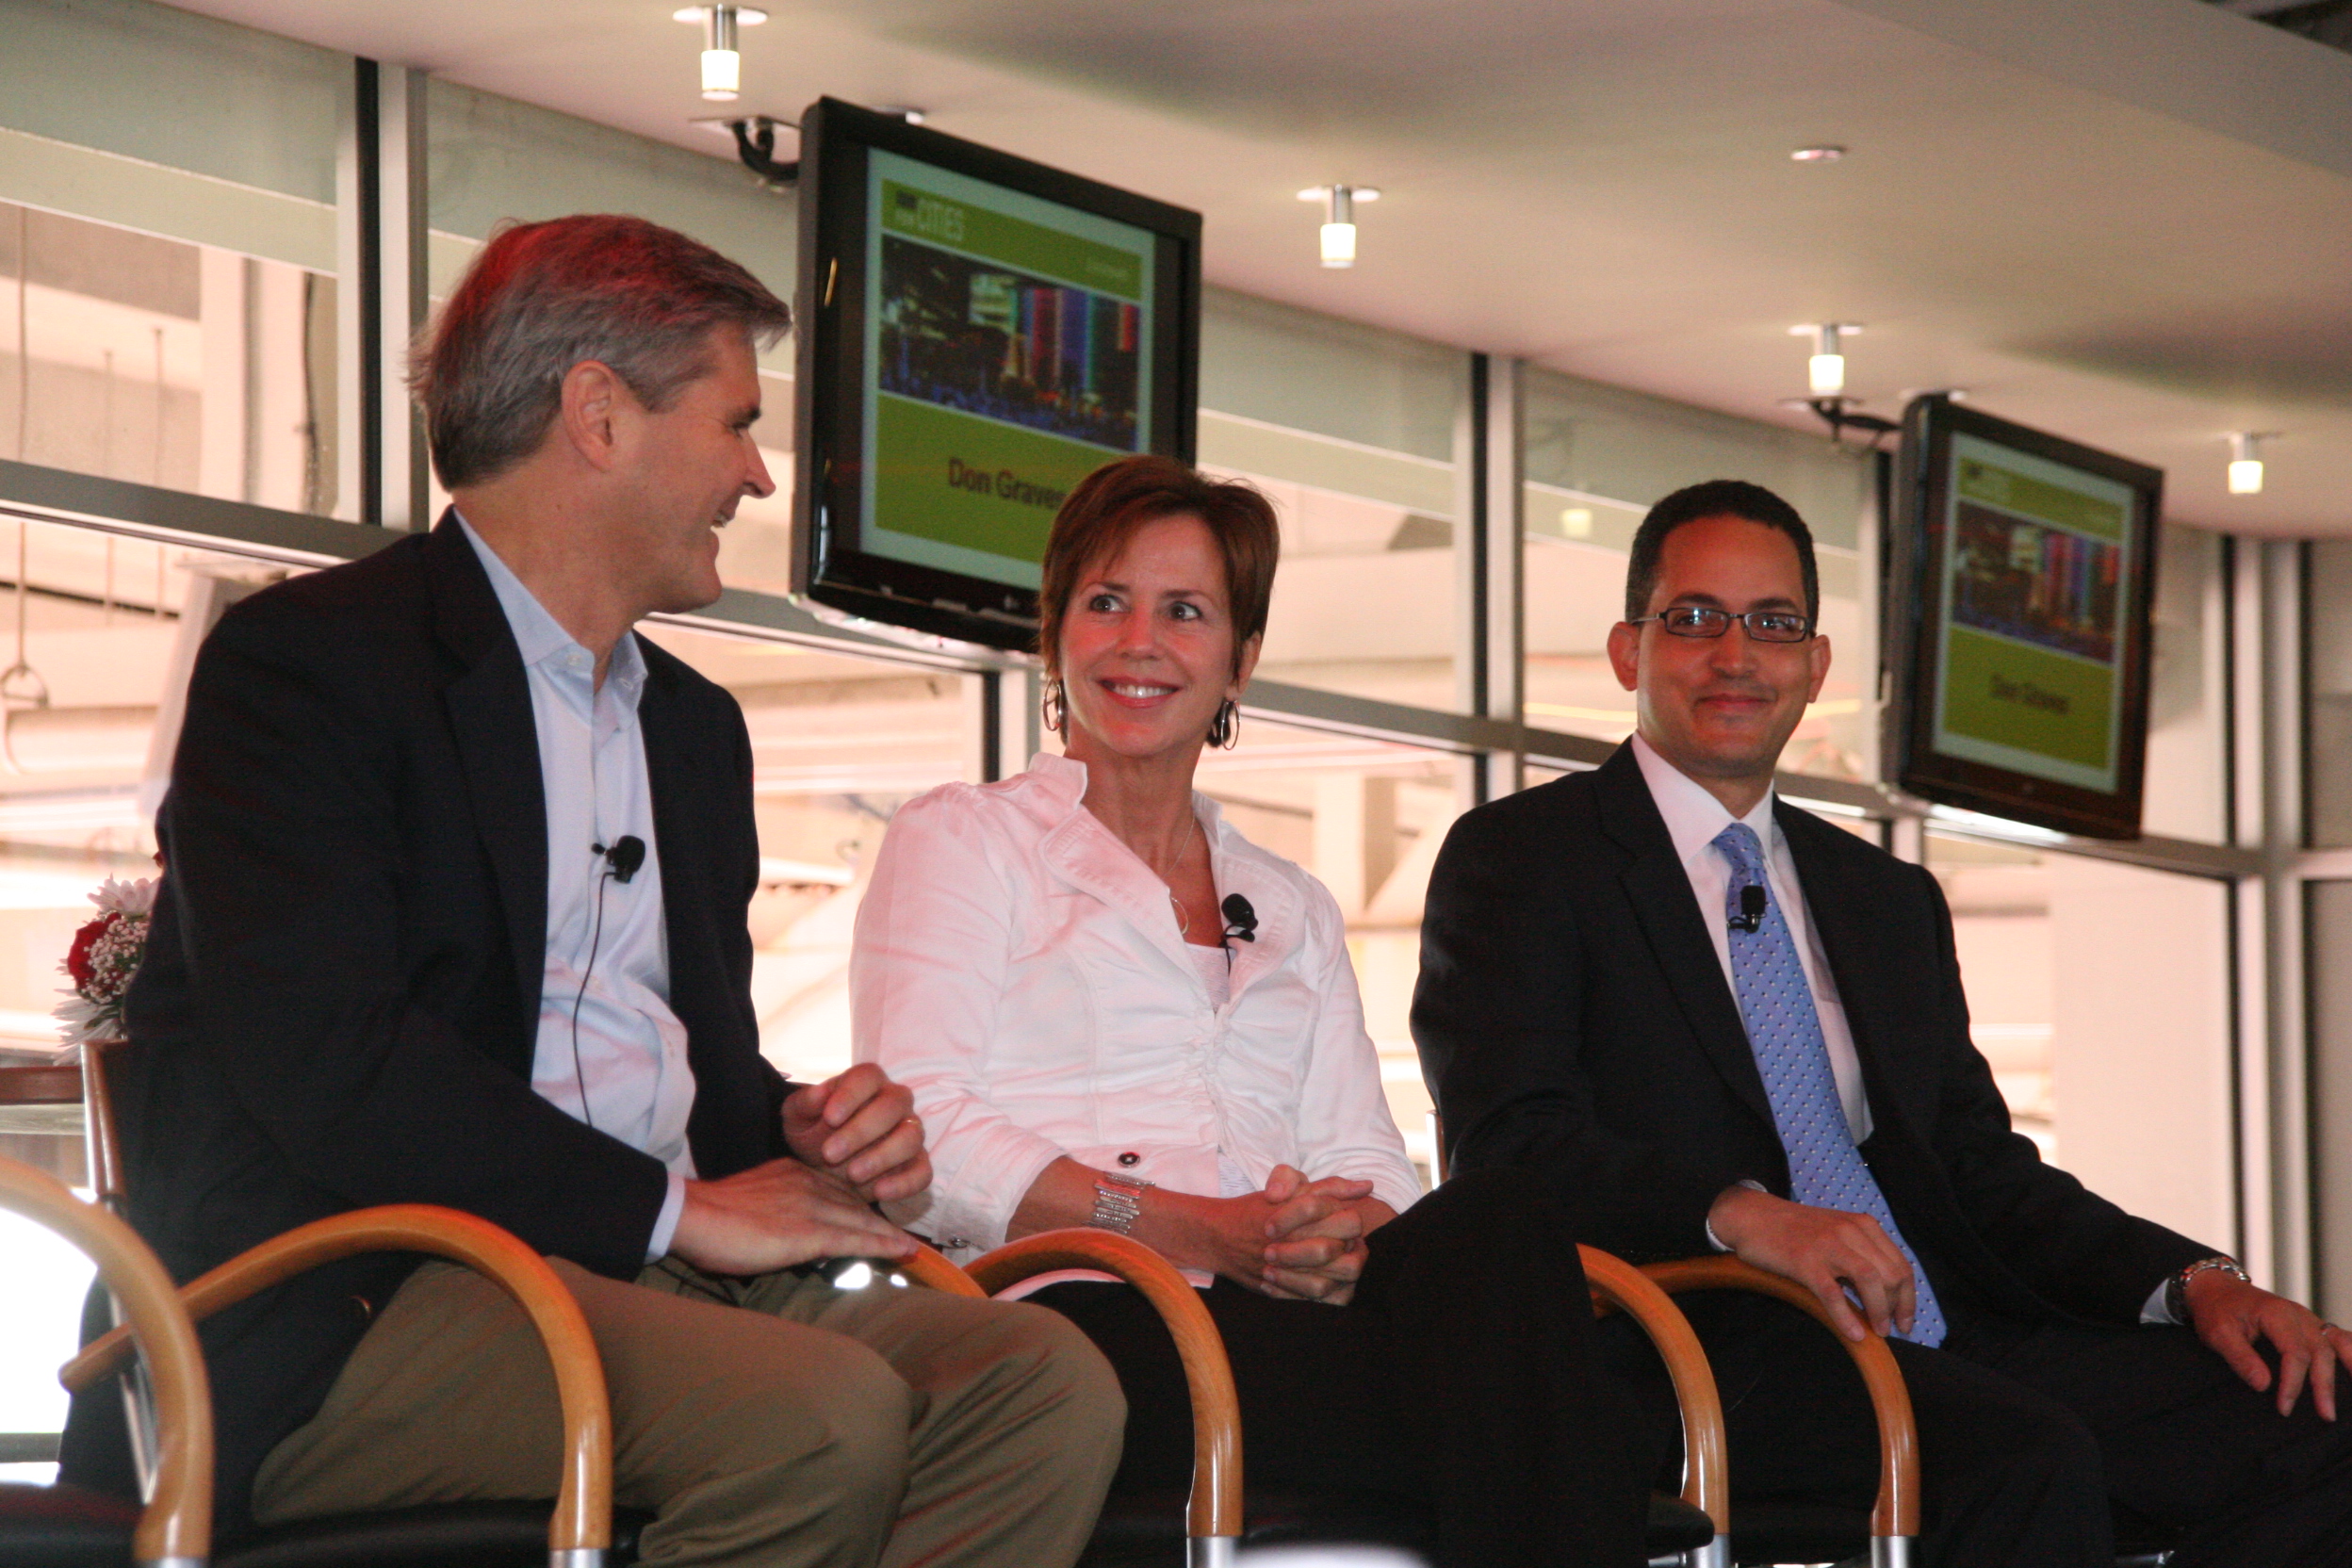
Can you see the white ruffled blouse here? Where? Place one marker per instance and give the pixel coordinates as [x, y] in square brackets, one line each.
[1021, 972]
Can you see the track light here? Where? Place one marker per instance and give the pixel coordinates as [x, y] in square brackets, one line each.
[1825, 372]
[722, 61]
[2246, 461]
[1339, 219]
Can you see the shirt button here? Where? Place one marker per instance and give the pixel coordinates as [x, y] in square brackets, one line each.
[1130, 1158]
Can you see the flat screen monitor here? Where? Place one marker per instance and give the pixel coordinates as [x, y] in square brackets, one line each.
[2017, 622]
[977, 334]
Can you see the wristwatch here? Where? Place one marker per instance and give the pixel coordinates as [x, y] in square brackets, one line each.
[2177, 1289]
[1118, 1199]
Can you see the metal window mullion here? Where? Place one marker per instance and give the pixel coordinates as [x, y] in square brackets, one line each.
[404, 493]
[357, 447]
[1472, 779]
[1504, 639]
[2275, 1048]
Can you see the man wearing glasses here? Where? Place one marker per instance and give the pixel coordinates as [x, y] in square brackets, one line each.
[1717, 1023]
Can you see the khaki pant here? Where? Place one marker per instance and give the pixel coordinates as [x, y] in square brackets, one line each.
[768, 1421]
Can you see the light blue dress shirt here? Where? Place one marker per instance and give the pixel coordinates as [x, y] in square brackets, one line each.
[610, 1051]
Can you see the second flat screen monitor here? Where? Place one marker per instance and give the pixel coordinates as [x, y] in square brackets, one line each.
[993, 344]
[2021, 592]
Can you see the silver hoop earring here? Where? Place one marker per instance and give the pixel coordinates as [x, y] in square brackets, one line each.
[1054, 712]
[1225, 729]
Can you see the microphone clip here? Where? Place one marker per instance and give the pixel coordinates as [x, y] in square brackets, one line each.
[1750, 915]
[1241, 920]
[627, 854]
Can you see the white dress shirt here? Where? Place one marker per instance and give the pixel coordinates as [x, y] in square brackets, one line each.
[1693, 819]
[606, 1031]
[1021, 972]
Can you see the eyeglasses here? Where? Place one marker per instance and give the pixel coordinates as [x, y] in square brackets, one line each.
[1700, 620]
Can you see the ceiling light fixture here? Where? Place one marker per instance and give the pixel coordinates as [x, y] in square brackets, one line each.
[1339, 219]
[1825, 373]
[1826, 153]
[722, 61]
[2246, 461]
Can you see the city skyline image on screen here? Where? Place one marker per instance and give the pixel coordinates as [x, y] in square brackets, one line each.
[2032, 586]
[1009, 345]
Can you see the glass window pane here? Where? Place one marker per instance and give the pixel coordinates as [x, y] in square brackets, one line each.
[95, 642]
[2188, 750]
[166, 363]
[1597, 458]
[40, 1316]
[1349, 431]
[2100, 992]
[2328, 745]
[838, 745]
[170, 301]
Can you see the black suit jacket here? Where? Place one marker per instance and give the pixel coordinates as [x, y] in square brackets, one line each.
[1573, 1018]
[340, 1003]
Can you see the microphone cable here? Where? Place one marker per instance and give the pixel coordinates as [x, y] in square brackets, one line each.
[620, 863]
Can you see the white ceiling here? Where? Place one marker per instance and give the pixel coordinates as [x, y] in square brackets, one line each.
[2126, 221]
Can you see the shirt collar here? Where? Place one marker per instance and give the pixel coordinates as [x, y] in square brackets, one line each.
[539, 635]
[1693, 815]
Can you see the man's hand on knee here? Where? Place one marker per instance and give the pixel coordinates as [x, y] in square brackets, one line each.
[777, 1215]
[2233, 1317]
[1828, 1252]
[862, 1128]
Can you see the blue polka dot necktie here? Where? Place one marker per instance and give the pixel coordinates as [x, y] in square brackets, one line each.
[1826, 1170]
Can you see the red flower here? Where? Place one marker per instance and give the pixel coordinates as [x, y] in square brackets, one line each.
[77, 962]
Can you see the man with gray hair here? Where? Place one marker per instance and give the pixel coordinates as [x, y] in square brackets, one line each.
[454, 913]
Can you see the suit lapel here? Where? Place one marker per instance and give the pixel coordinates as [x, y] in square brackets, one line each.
[677, 835]
[1659, 892]
[498, 744]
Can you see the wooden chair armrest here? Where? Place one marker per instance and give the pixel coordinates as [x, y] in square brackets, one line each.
[1215, 1507]
[1897, 1512]
[178, 1521]
[1618, 1284]
[583, 1511]
[929, 1266]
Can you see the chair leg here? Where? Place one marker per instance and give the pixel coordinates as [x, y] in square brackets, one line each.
[1892, 1551]
[1715, 1554]
[574, 1556]
[1212, 1551]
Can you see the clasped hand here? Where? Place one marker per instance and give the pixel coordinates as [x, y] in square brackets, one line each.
[857, 1143]
[1313, 1237]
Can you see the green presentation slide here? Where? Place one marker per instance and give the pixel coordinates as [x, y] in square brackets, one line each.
[2036, 578]
[1009, 340]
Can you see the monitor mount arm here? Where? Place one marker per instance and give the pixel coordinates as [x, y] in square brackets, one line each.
[1840, 414]
[755, 143]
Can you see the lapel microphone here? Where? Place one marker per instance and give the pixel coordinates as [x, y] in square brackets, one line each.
[1751, 913]
[627, 854]
[1241, 920]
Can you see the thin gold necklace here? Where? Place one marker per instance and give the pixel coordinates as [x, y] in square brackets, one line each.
[1183, 922]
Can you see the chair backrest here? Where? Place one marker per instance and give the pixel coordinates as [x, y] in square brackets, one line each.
[105, 1147]
[176, 1527]
[581, 1527]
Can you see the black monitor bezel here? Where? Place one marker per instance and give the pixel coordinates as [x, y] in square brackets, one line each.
[830, 570]
[1912, 608]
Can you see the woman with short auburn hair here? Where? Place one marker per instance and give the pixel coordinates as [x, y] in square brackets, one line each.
[1115, 1010]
